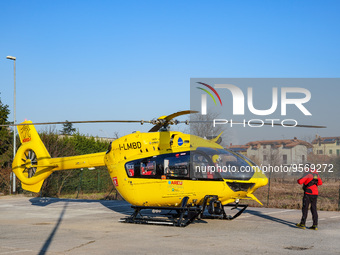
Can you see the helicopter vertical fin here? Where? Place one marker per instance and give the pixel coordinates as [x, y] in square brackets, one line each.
[25, 163]
[216, 138]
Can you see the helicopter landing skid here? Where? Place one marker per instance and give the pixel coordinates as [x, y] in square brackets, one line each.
[184, 214]
[225, 216]
[216, 209]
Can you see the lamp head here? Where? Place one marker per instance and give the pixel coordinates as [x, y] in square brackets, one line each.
[11, 57]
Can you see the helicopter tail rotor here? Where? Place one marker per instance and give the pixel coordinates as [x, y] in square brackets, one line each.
[31, 163]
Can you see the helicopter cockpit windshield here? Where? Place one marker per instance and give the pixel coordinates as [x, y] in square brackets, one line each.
[219, 163]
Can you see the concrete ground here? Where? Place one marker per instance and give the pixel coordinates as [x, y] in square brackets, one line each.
[66, 226]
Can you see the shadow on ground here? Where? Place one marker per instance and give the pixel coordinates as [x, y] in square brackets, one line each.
[125, 209]
[271, 218]
[118, 206]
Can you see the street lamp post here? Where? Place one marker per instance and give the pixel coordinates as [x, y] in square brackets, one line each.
[14, 120]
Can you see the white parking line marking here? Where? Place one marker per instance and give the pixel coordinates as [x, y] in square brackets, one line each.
[12, 252]
[268, 213]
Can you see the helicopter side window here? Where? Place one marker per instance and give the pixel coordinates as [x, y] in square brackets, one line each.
[177, 165]
[201, 167]
[199, 162]
[205, 167]
[148, 168]
[130, 169]
[145, 168]
[173, 166]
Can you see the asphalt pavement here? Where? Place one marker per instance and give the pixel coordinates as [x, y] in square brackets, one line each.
[68, 226]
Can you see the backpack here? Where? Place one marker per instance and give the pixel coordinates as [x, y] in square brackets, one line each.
[314, 181]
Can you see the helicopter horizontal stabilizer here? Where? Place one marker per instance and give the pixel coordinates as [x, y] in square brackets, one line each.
[32, 187]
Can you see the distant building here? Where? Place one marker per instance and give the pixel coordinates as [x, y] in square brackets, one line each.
[101, 139]
[242, 149]
[279, 152]
[328, 146]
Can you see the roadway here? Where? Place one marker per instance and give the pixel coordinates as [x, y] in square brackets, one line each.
[67, 226]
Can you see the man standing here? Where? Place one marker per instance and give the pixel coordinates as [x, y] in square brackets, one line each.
[310, 181]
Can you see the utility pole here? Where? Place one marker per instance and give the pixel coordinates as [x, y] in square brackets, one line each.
[14, 121]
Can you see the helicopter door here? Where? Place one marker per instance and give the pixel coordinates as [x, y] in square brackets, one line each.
[176, 171]
[204, 174]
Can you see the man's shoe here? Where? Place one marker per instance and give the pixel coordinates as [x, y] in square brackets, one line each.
[302, 226]
[314, 227]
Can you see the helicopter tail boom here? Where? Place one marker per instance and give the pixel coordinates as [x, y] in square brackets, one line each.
[33, 163]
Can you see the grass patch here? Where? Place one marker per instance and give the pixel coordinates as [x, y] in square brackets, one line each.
[288, 194]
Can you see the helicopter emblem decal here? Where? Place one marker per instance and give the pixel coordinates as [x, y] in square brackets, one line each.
[115, 181]
[25, 132]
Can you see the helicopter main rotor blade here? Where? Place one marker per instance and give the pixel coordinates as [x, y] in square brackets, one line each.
[176, 114]
[256, 123]
[159, 123]
[165, 121]
[78, 122]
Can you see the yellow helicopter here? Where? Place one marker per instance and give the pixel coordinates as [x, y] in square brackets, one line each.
[159, 170]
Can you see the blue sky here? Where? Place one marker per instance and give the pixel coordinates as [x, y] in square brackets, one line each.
[94, 60]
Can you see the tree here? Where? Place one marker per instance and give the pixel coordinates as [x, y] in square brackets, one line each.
[336, 169]
[6, 149]
[116, 135]
[6, 137]
[68, 128]
[204, 127]
[57, 148]
[68, 181]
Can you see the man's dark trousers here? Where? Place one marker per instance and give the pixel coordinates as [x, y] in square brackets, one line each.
[309, 199]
